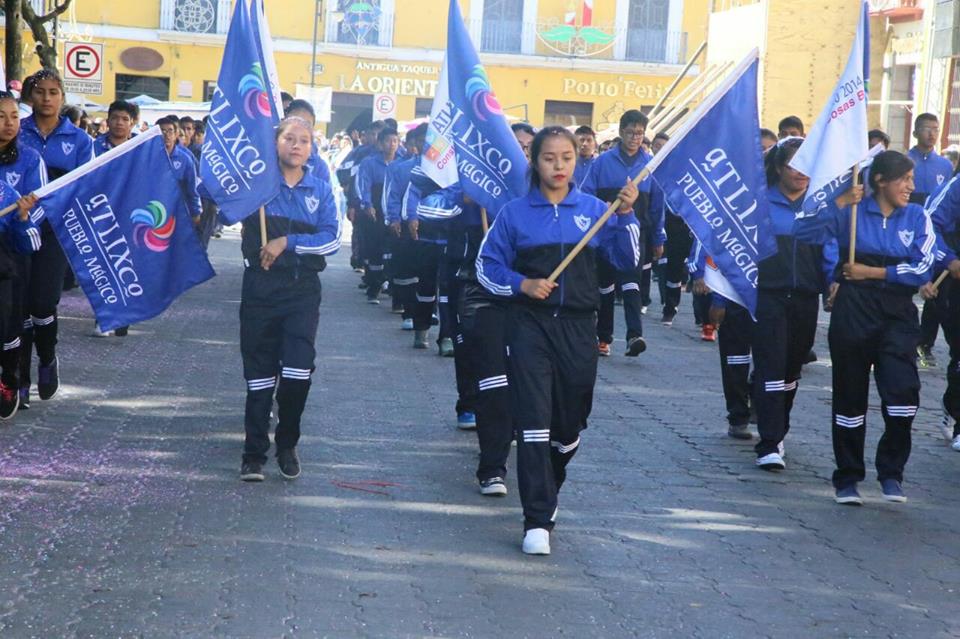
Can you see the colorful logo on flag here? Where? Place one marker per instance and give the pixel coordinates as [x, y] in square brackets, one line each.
[484, 102]
[437, 146]
[253, 90]
[153, 227]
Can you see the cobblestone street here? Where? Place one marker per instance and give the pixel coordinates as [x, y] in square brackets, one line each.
[121, 512]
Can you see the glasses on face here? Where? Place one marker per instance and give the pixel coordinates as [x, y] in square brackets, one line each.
[929, 129]
[631, 133]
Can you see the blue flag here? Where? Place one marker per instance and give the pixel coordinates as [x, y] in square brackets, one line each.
[712, 174]
[469, 140]
[122, 224]
[238, 162]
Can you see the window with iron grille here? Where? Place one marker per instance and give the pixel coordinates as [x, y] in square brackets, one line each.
[564, 113]
[502, 30]
[647, 30]
[360, 23]
[130, 86]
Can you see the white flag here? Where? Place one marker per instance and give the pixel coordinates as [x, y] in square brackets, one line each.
[838, 139]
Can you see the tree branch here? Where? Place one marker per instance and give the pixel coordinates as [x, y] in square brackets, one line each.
[29, 14]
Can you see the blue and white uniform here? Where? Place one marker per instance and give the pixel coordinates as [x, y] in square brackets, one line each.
[280, 307]
[551, 343]
[63, 150]
[185, 168]
[931, 172]
[874, 327]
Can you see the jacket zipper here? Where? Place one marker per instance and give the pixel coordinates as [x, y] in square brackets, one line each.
[556, 220]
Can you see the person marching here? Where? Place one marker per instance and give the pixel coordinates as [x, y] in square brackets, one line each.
[586, 153]
[604, 180]
[63, 148]
[396, 182]
[735, 328]
[931, 173]
[874, 322]
[788, 289]
[369, 188]
[280, 302]
[122, 116]
[347, 176]
[22, 170]
[551, 334]
[944, 212]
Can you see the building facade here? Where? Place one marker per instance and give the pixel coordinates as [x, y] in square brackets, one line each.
[550, 61]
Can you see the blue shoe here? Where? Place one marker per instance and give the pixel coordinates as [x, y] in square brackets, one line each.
[466, 421]
[848, 495]
[892, 491]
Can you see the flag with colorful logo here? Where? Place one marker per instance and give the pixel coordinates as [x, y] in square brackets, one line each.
[838, 140]
[469, 140]
[122, 224]
[711, 172]
[238, 161]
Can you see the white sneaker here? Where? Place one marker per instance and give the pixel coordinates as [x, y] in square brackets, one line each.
[781, 450]
[98, 333]
[947, 424]
[643, 310]
[536, 542]
[956, 443]
[407, 324]
[773, 461]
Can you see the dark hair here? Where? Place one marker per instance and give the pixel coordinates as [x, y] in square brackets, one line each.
[284, 97]
[661, 136]
[924, 117]
[537, 144]
[173, 117]
[417, 135]
[778, 157]
[585, 130]
[46, 74]
[27, 92]
[386, 133]
[199, 127]
[169, 119]
[767, 133]
[523, 127]
[122, 105]
[72, 113]
[390, 123]
[889, 166]
[7, 95]
[633, 117]
[289, 121]
[878, 133]
[791, 121]
[301, 105]
[187, 120]
[375, 126]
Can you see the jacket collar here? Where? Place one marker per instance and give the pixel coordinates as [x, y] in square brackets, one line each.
[62, 126]
[776, 196]
[535, 198]
[870, 205]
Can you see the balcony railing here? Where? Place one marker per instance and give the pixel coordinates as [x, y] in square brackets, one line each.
[195, 16]
[550, 38]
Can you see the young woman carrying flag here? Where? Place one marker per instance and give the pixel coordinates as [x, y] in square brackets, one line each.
[280, 301]
[551, 326]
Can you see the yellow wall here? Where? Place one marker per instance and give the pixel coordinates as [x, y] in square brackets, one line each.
[521, 81]
[804, 56]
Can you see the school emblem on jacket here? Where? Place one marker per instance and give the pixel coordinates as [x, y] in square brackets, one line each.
[13, 178]
[313, 203]
[177, 164]
[941, 178]
[906, 237]
[67, 147]
[582, 222]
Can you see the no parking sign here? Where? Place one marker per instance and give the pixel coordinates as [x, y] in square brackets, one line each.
[384, 106]
[83, 67]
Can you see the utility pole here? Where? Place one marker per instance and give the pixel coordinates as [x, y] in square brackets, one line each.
[318, 12]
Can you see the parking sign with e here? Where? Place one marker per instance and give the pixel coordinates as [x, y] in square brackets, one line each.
[83, 67]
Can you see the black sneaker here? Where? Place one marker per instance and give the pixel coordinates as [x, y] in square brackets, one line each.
[122, 331]
[635, 346]
[9, 401]
[25, 398]
[739, 431]
[493, 487]
[668, 315]
[48, 379]
[251, 471]
[289, 463]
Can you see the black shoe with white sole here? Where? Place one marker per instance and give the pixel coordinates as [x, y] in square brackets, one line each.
[251, 471]
[289, 463]
[493, 487]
